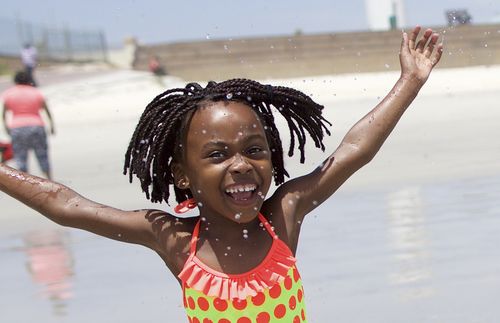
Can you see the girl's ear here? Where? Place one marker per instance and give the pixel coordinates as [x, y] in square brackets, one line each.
[181, 180]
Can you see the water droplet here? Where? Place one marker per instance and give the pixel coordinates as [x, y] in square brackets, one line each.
[203, 131]
[119, 235]
[203, 218]
[199, 191]
[207, 36]
[249, 98]
[245, 231]
[386, 65]
[290, 202]
[240, 133]
[315, 202]
[245, 236]
[228, 247]
[254, 125]
[200, 204]
[239, 255]
[229, 96]
[237, 216]
[485, 45]
[225, 47]
[225, 254]
[299, 222]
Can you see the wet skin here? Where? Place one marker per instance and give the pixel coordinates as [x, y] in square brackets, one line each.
[226, 181]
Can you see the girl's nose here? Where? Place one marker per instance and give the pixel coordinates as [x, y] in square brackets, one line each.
[240, 165]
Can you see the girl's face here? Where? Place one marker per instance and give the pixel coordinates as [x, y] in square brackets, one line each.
[227, 161]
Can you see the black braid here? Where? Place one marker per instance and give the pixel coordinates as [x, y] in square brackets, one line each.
[156, 139]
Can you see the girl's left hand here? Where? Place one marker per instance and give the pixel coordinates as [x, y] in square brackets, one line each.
[417, 59]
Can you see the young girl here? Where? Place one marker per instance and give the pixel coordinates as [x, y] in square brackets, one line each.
[219, 148]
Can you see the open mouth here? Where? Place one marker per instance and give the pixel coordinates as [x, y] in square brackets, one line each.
[241, 193]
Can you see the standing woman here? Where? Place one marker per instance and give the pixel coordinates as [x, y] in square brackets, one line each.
[25, 126]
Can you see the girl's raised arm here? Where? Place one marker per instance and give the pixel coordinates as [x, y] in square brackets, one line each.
[365, 138]
[66, 207]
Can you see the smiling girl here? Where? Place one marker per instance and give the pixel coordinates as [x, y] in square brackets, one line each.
[219, 149]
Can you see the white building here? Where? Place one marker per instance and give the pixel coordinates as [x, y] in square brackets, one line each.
[385, 14]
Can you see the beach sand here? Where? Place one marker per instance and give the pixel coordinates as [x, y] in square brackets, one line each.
[412, 237]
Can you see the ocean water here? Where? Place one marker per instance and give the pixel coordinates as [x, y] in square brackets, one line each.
[398, 253]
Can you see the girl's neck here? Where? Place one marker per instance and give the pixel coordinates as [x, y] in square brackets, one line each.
[220, 227]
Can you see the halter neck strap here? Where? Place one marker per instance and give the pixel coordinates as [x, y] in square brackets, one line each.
[196, 233]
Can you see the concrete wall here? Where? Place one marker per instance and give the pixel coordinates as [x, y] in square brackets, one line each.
[306, 55]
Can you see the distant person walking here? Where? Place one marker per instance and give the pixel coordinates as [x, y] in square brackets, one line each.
[29, 58]
[23, 122]
[156, 67]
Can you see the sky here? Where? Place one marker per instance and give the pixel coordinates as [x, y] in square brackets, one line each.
[171, 21]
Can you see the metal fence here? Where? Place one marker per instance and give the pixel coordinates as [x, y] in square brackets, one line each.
[52, 43]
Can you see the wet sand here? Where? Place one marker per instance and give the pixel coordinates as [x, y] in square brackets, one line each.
[412, 237]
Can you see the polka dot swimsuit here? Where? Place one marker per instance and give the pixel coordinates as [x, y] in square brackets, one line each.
[271, 292]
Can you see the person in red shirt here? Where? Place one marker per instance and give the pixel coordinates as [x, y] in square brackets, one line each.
[23, 122]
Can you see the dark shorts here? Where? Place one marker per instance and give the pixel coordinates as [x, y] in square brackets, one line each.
[25, 139]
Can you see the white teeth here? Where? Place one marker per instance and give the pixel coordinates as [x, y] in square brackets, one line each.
[241, 188]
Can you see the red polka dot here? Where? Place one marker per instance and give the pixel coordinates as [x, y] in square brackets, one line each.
[224, 321]
[239, 304]
[279, 311]
[191, 303]
[220, 304]
[292, 302]
[244, 320]
[299, 295]
[303, 315]
[296, 319]
[263, 317]
[184, 301]
[275, 291]
[207, 321]
[258, 299]
[195, 320]
[296, 275]
[203, 303]
[288, 282]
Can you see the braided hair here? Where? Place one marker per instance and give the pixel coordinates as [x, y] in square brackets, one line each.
[155, 142]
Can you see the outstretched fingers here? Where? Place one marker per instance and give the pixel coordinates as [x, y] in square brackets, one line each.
[437, 55]
[423, 41]
[430, 46]
[413, 37]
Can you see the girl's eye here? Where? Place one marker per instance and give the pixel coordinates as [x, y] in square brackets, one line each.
[216, 154]
[255, 150]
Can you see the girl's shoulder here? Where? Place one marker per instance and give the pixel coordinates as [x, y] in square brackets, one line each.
[173, 235]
